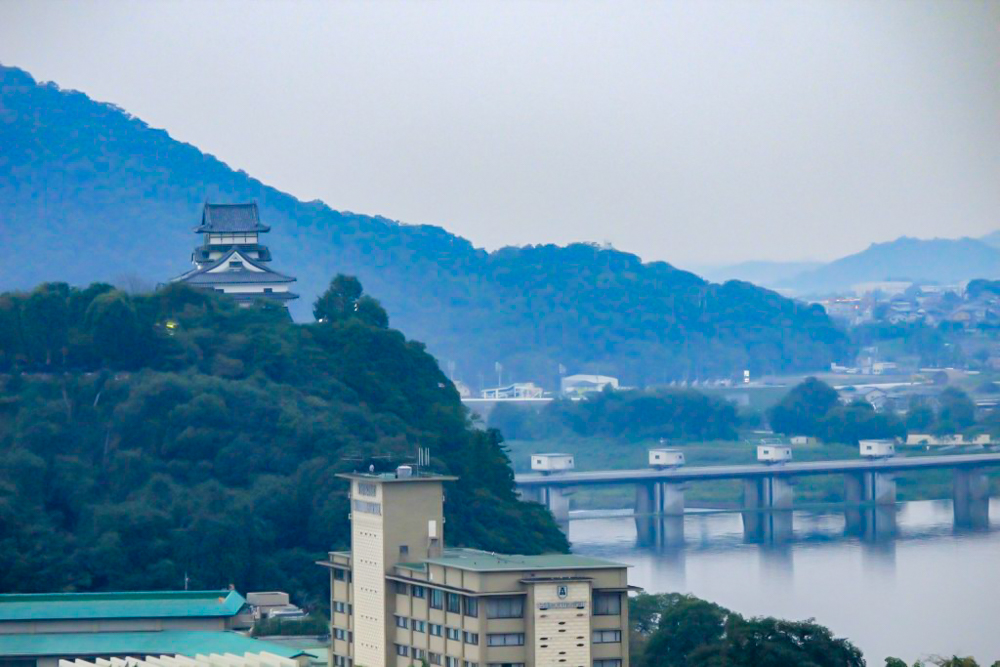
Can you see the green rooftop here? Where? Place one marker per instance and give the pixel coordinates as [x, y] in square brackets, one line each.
[169, 642]
[154, 604]
[484, 561]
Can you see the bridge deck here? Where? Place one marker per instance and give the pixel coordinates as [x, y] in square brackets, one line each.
[897, 463]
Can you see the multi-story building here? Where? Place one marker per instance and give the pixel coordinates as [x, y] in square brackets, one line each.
[399, 598]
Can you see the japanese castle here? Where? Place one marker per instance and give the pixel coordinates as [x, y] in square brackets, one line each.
[231, 259]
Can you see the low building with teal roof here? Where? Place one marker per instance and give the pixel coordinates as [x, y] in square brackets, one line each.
[37, 630]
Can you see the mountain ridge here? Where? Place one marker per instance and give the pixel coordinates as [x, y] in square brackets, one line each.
[91, 192]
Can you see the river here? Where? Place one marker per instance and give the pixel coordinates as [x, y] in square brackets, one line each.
[931, 588]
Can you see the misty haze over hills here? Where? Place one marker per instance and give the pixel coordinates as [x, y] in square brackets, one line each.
[88, 193]
[937, 261]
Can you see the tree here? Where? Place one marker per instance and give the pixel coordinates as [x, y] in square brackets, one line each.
[45, 321]
[858, 421]
[114, 328]
[690, 632]
[339, 301]
[802, 408]
[957, 411]
[686, 625]
[919, 418]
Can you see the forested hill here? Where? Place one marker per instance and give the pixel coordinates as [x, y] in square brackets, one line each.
[88, 192]
[146, 438]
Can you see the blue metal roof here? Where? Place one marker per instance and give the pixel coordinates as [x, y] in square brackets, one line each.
[154, 604]
[170, 642]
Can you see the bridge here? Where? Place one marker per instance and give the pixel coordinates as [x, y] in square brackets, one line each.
[869, 492]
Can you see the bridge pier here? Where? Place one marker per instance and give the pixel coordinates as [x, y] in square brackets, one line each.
[870, 509]
[557, 500]
[659, 513]
[971, 500]
[767, 509]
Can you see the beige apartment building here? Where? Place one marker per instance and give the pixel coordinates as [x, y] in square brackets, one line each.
[400, 598]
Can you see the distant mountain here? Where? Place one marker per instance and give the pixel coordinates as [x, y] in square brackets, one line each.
[991, 239]
[89, 192]
[942, 261]
[766, 274]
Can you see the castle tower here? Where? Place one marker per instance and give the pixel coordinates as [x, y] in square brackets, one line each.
[231, 259]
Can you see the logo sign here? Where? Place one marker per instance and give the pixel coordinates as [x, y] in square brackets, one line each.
[562, 592]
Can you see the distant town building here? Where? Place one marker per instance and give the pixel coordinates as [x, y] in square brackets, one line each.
[400, 598]
[268, 604]
[518, 390]
[38, 630]
[231, 259]
[584, 384]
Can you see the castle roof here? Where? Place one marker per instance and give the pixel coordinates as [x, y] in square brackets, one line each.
[230, 219]
[219, 273]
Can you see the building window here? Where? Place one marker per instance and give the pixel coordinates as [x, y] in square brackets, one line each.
[404, 550]
[367, 507]
[470, 606]
[402, 650]
[340, 633]
[437, 598]
[402, 588]
[434, 658]
[455, 603]
[419, 653]
[450, 661]
[340, 607]
[435, 629]
[339, 661]
[607, 604]
[607, 636]
[505, 639]
[419, 626]
[418, 591]
[610, 662]
[338, 574]
[506, 607]
[470, 637]
[466, 663]
[402, 622]
[235, 265]
[453, 633]
[505, 664]
[367, 489]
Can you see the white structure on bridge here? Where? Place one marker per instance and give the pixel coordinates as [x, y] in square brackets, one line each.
[774, 453]
[666, 458]
[874, 449]
[553, 462]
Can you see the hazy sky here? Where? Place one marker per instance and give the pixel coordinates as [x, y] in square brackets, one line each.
[695, 132]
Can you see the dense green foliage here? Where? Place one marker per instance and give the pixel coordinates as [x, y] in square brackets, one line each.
[675, 630]
[145, 437]
[88, 192]
[676, 414]
[812, 408]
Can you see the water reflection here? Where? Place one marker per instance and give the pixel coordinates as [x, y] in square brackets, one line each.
[905, 580]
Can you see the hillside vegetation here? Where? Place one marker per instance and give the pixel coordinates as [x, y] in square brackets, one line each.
[90, 193]
[145, 438]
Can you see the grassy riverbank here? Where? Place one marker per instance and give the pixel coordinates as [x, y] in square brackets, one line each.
[607, 454]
